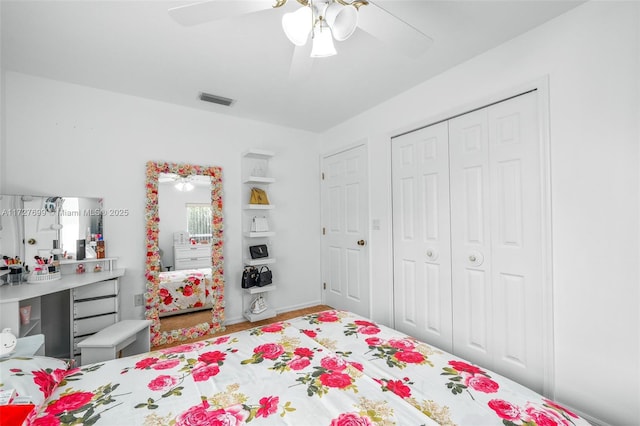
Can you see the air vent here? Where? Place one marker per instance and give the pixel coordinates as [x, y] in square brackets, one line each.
[207, 97]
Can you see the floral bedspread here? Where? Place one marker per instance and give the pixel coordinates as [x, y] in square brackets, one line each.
[185, 289]
[331, 368]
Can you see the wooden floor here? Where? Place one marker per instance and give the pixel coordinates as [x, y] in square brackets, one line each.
[245, 325]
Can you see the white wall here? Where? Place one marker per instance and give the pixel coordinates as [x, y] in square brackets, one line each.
[71, 140]
[591, 57]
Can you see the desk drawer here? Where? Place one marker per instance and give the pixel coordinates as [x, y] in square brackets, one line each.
[93, 307]
[94, 324]
[192, 263]
[104, 288]
[192, 251]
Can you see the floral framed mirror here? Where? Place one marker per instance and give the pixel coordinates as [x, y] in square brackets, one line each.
[206, 282]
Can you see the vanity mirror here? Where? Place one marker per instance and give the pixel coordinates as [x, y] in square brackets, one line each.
[43, 226]
[184, 262]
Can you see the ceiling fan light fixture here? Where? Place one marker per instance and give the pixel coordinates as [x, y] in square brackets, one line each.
[322, 42]
[297, 25]
[343, 20]
[184, 185]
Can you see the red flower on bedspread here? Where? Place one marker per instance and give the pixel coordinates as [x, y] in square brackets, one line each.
[237, 414]
[163, 382]
[399, 387]
[48, 379]
[201, 414]
[276, 327]
[206, 365]
[309, 333]
[268, 406]
[167, 299]
[69, 402]
[351, 419]
[296, 359]
[464, 376]
[81, 407]
[333, 372]
[326, 316]
[398, 352]
[361, 327]
[269, 351]
[188, 347]
[165, 364]
[546, 414]
[187, 290]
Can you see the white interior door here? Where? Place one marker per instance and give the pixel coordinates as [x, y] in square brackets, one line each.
[496, 232]
[345, 258]
[422, 253]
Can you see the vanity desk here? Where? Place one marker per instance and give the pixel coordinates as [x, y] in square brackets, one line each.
[65, 310]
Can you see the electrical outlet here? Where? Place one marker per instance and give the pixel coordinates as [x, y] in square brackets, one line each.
[137, 299]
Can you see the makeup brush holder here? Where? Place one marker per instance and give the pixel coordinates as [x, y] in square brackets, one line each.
[15, 274]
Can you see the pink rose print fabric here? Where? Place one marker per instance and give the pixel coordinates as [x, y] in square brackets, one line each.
[185, 289]
[330, 368]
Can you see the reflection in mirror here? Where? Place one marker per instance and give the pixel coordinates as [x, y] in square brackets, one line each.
[46, 226]
[184, 268]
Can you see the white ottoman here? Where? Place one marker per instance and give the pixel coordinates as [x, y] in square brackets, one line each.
[129, 336]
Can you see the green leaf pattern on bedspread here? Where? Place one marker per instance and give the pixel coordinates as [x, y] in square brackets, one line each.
[331, 368]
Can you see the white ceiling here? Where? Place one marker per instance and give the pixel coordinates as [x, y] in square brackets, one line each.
[134, 47]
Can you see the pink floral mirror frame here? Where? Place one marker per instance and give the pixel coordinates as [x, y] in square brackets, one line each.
[152, 270]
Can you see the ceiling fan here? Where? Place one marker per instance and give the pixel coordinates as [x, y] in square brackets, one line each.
[321, 20]
[184, 183]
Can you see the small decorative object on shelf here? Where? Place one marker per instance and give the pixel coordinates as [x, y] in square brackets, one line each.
[97, 268]
[258, 251]
[100, 251]
[259, 305]
[80, 269]
[258, 196]
[8, 342]
[259, 224]
[25, 314]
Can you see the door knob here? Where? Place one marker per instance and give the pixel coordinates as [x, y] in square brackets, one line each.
[475, 258]
[362, 242]
[432, 254]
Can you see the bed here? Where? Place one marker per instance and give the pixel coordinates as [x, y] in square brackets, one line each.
[330, 368]
[185, 291]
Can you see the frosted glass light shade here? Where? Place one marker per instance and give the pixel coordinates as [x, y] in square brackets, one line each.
[343, 20]
[184, 185]
[322, 43]
[297, 25]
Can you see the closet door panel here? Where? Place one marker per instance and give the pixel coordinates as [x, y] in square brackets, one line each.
[473, 336]
[470, 236]
[516, 222]
[422, 262]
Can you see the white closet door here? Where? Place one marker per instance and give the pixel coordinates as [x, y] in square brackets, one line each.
[471, 237]
[422, 262]
[516, 240]
[496, 230]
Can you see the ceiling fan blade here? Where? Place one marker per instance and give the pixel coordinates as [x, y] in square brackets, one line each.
[392, 30]
[213, 10]
[301, 63]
